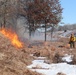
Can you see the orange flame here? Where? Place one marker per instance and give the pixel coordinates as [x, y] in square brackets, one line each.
[13, 37]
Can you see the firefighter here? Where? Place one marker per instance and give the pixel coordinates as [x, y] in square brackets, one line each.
[72, 41]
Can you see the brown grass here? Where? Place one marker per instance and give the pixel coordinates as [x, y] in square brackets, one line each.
[13, 61]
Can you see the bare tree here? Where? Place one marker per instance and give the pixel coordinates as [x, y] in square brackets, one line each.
[8, 12]
[42, 11]
[36, 12]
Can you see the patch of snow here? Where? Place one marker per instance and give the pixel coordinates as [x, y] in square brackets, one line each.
[41, 58]
[52, 69]
[67, 58]
[64, 34]
[43, 29]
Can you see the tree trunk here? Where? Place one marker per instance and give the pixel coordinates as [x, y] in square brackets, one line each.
[29, 31]
[4, 21]
[52, 30]
[4, 16]
[45, 30]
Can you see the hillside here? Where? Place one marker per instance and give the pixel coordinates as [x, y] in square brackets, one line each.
[13, 61]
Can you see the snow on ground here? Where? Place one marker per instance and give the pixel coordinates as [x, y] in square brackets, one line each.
[67, 58]
[64, 34]
[52, 69]
[43, 29]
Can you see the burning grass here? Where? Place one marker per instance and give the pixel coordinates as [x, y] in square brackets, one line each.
[13, 61]
[13, 37]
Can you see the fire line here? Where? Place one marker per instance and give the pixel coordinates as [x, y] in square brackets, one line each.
[12, 36]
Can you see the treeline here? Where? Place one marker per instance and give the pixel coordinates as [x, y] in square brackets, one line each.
[36, 12]
[67, 27]
[8, 13]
